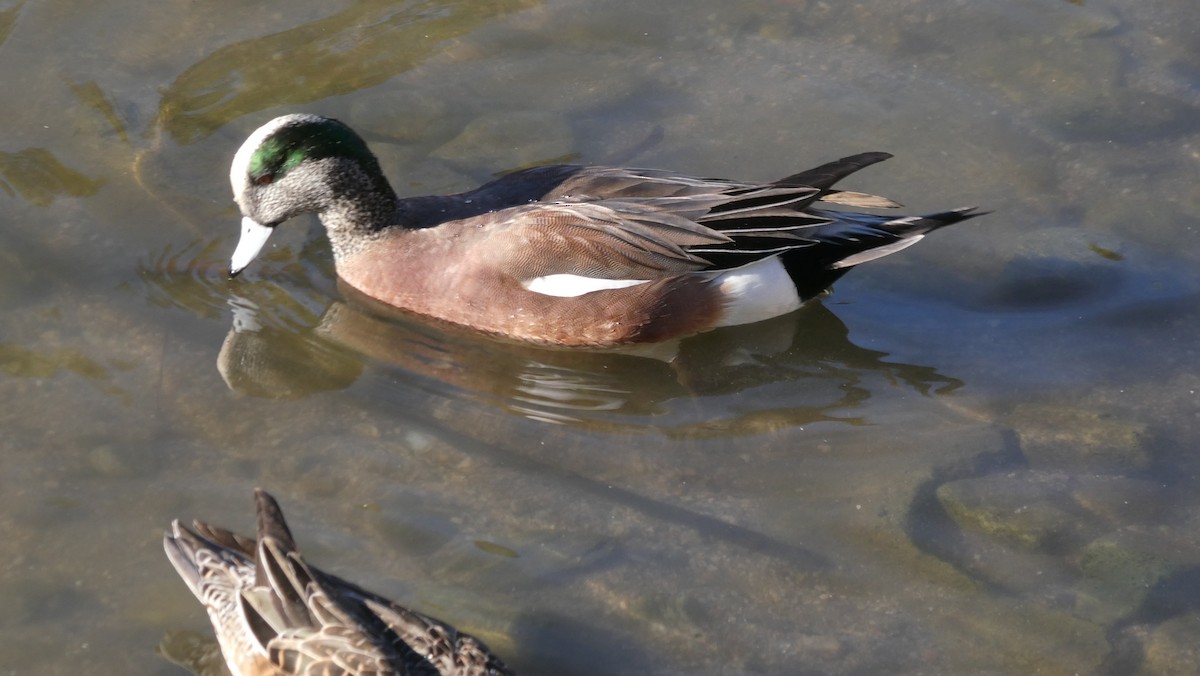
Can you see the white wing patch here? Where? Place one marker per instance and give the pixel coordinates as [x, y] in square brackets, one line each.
[756, 292]
[570, 286]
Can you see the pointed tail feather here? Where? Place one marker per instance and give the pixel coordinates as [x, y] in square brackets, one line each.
[824, 176]
[270, 520]
[851, 239]
[931, 222]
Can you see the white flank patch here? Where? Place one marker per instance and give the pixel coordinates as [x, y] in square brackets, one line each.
[570, 286]
[755, 292]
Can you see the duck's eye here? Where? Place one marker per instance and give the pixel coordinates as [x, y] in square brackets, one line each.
[264, 179]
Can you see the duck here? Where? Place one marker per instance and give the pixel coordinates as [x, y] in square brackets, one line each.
[569, 255]
[275, 614]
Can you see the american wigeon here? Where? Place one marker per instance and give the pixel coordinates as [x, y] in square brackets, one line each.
[569, 255]
[273, 613]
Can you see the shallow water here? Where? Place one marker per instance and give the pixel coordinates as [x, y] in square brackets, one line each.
[975, 456]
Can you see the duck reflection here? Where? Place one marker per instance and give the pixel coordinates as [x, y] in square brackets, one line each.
[808, 353]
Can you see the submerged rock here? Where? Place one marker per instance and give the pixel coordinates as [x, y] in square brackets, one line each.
[1062, 437]
[1027, 508]
[1116, 499]
[1135, 571]
[1171, 647]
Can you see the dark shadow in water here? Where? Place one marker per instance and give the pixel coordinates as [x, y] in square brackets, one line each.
[931, 529]
[1051, 282]
[359, 47]
[264, 355]
[290, 341]
[200, 654]
[655, 510]
[37, 176]
[587, 387]
[1175, 595]
[565, 645]
[8, 20]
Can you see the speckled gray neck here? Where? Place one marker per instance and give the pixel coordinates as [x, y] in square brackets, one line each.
[361, 206]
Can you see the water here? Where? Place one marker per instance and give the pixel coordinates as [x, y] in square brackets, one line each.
[977, 455]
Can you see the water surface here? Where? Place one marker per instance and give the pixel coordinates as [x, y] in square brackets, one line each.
[975, 456]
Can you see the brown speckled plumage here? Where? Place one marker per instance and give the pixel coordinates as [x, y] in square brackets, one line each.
[274, 614]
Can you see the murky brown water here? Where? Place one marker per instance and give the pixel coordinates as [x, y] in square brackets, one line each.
[976, 456]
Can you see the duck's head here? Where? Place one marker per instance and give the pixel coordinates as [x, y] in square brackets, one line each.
[293, 165]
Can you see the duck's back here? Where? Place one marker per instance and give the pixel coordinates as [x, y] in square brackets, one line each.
[520, 187]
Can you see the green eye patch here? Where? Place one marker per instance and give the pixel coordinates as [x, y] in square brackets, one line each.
[290, 146]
